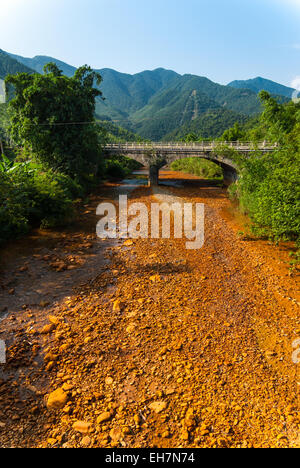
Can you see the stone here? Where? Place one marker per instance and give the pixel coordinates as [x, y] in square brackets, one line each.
[131, 328]
[82, 427]
[57, 399]
[128, 243]
[47, 329]
[106, 416]
[118, 306]
[115, 434]
[158, 406]
[86, 442]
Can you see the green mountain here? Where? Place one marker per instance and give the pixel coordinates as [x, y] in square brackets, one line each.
[37, 63]
[162, 102]
[9, 65]
[187, 98]
[211, 124]
[261, 84]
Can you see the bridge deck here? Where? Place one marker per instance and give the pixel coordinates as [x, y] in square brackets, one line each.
[204, 147]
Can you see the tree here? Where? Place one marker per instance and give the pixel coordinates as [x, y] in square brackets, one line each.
[190, 138]
[234, 134]
[269, 185]
[53, 116]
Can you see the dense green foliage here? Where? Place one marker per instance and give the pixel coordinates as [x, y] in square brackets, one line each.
[53, 163]
[31, 196]
[4, 121]
[53, 116]
[212, 124]
[196, 104]
[198, 167]
[120, 167]
[116, 134]
[269, 186]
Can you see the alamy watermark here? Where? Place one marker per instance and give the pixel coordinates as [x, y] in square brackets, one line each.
[2, 92]
[2, 352]
[134, 221]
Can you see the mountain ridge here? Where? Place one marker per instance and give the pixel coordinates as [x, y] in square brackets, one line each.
[157, 102]
[259, 84]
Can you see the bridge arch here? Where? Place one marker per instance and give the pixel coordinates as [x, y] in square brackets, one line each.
[230, 171]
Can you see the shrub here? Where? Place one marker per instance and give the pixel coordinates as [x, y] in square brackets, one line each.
[199, 167]
[31, 197]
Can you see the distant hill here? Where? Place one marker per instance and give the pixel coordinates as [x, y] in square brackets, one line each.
[261, 84]
[9, 65]
[160, 102]
[37, 63]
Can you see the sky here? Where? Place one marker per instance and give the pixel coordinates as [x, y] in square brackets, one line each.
[224, 40]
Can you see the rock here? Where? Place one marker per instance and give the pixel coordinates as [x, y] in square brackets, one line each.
[118, 306]
[50, 357]
[109, 380]
[54, 320]
[185, 435]
[128, 243]
[131, 328]
[115, 434]
[137, 419]
[158, 406]
[82, 427]
[106, 416]
[57, 400]
[51, 442]
[155, 278]
[47, 329]
[86, 442]
[50, 366]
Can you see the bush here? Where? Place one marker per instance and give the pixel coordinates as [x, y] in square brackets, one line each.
[269, 186]
[114, 169]
[269, 192]
[120, 167]
[30, 197]
[198, 167]
[13, 205]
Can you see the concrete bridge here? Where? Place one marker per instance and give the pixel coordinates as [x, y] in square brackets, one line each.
[157, 155]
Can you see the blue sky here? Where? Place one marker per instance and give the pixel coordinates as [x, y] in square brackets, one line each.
[221, 39]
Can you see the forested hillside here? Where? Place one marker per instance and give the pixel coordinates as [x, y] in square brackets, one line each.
[156, 103]
[212, 124]
[8, 65]
[261, 84]
[161, 104]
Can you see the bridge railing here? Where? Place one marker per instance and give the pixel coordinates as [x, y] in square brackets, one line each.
[197, 145]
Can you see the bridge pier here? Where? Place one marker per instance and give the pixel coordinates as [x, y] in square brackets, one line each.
[153, 176]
